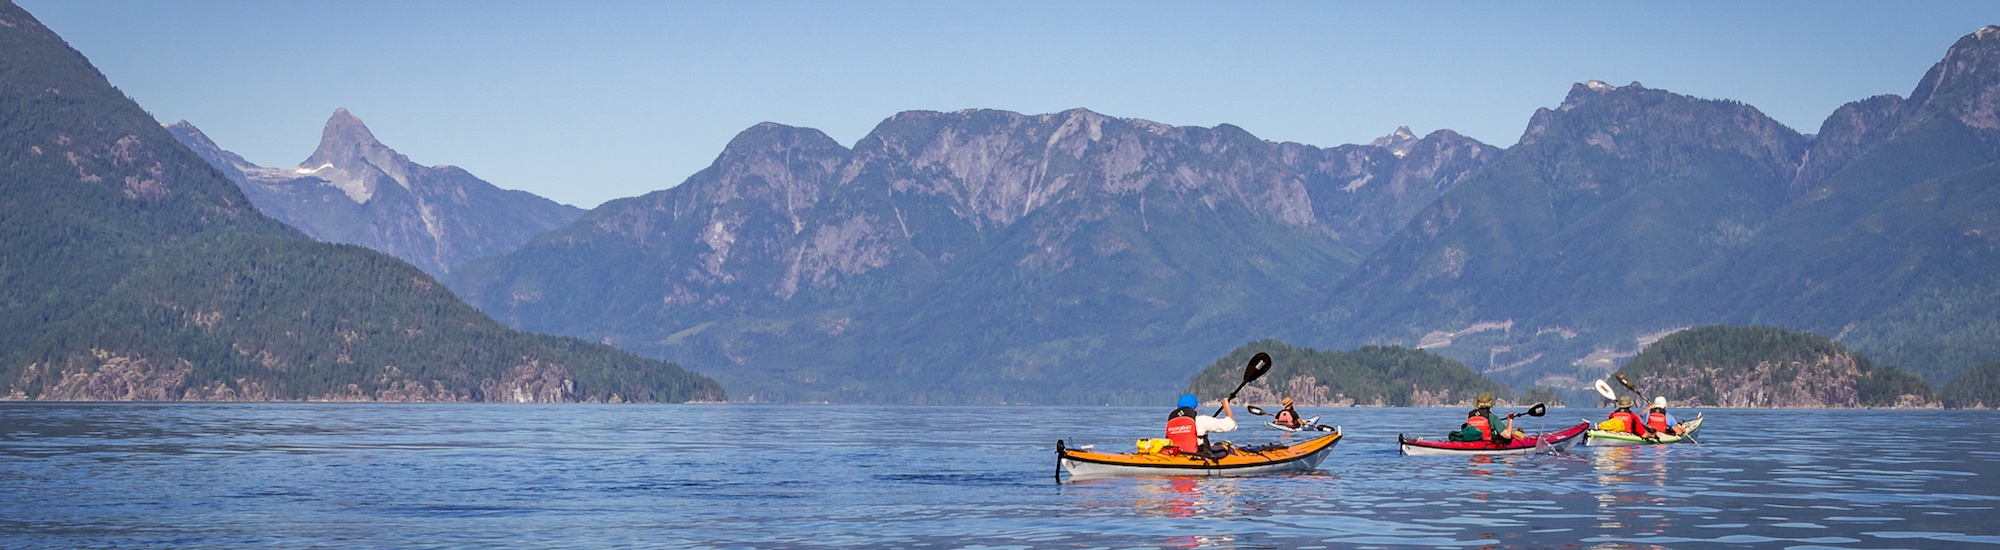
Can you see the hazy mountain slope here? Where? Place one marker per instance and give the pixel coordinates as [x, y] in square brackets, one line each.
[355, 190]
[134, 270]
[976, 255]
[1608, 198]
[1626, 214]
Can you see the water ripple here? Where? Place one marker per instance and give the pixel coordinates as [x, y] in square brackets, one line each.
[323, 475]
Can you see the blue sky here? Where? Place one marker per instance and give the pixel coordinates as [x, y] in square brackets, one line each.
[590, 101]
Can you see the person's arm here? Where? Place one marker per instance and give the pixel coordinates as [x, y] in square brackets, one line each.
[1225, 410]
[1205, 424]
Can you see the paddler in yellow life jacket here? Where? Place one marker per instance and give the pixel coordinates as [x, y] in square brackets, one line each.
[1288, 416]
[1481, 418]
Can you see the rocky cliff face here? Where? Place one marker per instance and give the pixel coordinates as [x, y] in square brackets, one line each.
[1079, 233]
[355, 190]
[1725, 366]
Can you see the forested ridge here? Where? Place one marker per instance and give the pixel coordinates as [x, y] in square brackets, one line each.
[1371, 375]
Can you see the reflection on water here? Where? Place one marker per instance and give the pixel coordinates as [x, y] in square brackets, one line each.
[289, 475]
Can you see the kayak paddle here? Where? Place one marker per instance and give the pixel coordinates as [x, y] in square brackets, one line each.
[1537, 410]
[1627, 382]
[1605, 390]
[1259, 364]
[1256, 411]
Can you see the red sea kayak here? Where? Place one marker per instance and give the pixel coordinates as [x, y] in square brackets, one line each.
[1548, 442]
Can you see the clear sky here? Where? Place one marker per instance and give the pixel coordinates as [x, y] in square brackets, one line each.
[585, 102]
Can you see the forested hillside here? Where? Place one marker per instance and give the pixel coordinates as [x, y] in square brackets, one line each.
[1370, 376]
[135, 271]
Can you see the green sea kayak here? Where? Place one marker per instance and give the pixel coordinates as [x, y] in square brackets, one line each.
[1601, 438]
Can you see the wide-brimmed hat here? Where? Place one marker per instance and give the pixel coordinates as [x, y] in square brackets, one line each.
[1485, 400]
[1288, 401]
[1624, 401]
[1659, 401]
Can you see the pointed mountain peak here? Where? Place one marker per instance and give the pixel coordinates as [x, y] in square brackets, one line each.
[1966, 83]
[344, 138]
[350, 158]
[1398, 142]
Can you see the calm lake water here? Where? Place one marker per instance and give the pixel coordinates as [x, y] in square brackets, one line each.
[593, 476]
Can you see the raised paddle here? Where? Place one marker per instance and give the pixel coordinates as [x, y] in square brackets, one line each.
[1259, 364]
[1606, 391]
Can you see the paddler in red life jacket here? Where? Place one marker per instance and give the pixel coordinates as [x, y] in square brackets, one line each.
[1633, 425]
[1482, 418]
[1287, 417]
[1659, 421]
[1188, 430]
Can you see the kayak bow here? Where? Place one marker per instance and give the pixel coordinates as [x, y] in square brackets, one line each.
[1306, 425]
[1548, 442]
[1303, 457]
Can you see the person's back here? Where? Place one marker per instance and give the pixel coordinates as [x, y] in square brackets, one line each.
[1489, 425]
[1287, 417]
[1181, 426]
[1658, 420]
[1624, 414]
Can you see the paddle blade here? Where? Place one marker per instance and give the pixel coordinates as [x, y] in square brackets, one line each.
[1325, 428]
[1623, 381]
[1606, 391]
[1255, 410]
[1259, 364]
[1538, 410]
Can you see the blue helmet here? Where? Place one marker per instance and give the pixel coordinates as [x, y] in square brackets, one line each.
[1188, 400]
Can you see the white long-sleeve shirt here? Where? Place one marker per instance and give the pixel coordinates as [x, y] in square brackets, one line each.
[1203, 424]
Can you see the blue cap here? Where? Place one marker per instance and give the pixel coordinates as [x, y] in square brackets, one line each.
[1189, 401]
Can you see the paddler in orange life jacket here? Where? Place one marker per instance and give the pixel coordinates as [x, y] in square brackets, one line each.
[1482, 418]
[1633, 424]
[1659, 421]
[1189, 430]
[1287, 417]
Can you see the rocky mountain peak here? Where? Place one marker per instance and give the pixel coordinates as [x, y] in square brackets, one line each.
[345, 137]
[350, 158]
[1966, 84]
[1398, 142]
[1585, 91]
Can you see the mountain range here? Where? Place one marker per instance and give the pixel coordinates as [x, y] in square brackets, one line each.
[977, 255]
[989, 256]
[984, 256]
[133, 270]
[355, 190]
[1626, 213]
